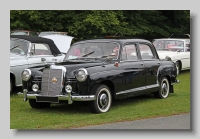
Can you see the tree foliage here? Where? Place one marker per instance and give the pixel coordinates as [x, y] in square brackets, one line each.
[84, 24]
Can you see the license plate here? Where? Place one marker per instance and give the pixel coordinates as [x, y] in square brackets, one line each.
[47, 99]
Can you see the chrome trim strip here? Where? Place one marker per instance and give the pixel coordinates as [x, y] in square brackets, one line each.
[19, 85]
[152, 86]
[180, 59]
[137, 89]
[18, 65]
[131, 90]
[105, 72]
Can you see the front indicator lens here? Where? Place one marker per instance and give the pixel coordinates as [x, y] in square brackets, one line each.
[35, 87]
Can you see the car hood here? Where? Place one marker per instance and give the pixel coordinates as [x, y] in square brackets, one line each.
[14, 56]
[72, 67]
[62, 42]
[163, 54]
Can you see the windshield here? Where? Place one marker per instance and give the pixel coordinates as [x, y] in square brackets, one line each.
[93, 50]
[50, 33]
[18, 46]
[172, 45]
[19, 33]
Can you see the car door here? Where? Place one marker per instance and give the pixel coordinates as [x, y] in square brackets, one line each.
[38, 51]
[133, 70]
[18, 58]
[151, 63]
[185, 56]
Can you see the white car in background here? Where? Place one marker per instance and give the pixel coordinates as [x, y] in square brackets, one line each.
[29, 51]
[176, 49]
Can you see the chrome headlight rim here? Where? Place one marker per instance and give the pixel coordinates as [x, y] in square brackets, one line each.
[85, 72]
[29, 75]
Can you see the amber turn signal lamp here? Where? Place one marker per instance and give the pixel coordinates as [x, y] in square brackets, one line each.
[116, 64]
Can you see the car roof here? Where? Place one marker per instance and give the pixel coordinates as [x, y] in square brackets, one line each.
[43, 33]
[182, 39]
[22, 31]
[36, 39]
[119, 40]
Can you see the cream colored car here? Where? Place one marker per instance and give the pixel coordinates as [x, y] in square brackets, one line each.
[178, 50]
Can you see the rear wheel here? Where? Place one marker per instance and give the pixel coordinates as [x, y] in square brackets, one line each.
[38, 105]
[163, 90]
[103, 100]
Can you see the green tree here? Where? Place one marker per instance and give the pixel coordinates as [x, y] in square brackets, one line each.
[84, 24]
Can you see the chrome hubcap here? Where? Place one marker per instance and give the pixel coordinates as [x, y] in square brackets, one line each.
[164, 89]
[103, 101]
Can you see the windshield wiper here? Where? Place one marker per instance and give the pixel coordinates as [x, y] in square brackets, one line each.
[88, 54]
[105, 56]
[14, 47]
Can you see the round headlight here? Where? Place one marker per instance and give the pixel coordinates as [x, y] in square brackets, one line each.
[81, 75]
[26, 74]
[35, 87]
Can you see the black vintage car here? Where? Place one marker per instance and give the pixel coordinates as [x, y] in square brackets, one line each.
[98, 71]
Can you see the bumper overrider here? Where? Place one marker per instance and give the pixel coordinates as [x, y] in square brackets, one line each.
[176, 82]
[55, 99]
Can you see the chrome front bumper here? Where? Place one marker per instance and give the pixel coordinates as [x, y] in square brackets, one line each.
[70, 98]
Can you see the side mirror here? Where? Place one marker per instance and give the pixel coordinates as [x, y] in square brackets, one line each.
[43, 59]
[31, 53]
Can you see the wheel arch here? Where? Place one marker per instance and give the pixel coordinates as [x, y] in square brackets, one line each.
[179, 61]
[110, 85]
[13, 78]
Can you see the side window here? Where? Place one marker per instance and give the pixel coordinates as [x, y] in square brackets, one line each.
[129, 52]
[146, 52]
[41, 49]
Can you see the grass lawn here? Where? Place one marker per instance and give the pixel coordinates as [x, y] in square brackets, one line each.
[64, 116]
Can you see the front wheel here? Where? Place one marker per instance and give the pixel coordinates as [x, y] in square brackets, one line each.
[103, 100]
[11, 86]
[38, 105]
[163, 91]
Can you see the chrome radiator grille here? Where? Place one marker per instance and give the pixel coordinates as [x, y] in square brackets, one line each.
[51, 82]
